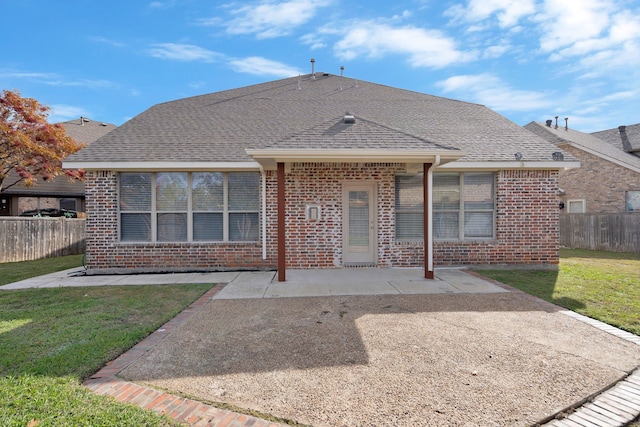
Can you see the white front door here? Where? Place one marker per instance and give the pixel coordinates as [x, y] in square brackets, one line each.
[359, 223]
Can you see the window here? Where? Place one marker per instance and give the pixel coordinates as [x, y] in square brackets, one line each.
[576, 206]
[463, 206]
[68, 204]
[633, 201]
[184, 207]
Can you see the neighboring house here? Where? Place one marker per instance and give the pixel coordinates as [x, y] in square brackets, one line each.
[58, 193]
[319, 171]
[608, 180]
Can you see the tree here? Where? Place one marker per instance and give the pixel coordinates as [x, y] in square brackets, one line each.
[31, 147]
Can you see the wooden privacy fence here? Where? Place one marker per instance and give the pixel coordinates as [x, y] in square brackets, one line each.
[24, 239]
[602, 232]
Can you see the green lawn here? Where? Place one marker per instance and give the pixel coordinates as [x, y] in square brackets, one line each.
[53, 339]
[601, 285]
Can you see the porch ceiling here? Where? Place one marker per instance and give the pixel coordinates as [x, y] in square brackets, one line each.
[270, 157]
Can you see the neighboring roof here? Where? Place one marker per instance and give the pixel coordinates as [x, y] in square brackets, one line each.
[625, 138]
[586, 142]
[86, 131]
[302, 112]
[82, 130]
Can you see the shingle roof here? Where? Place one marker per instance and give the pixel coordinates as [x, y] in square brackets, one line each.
[584, 141]
[218, 127]
[85, 130]
[629, 142]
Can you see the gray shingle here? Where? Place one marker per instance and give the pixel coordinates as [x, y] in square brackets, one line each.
[220, 126]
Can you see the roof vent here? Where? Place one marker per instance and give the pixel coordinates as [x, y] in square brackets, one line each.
[549, 123]
[349, 118]
[557, 156]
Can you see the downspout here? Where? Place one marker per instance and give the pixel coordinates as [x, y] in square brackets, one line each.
[430, 213]
[264, 212]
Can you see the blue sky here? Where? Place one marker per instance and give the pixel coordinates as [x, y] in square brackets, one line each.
[529, 60]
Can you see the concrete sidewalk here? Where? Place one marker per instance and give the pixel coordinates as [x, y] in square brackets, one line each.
[299, 283]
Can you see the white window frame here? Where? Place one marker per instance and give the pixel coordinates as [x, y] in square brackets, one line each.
[189, 212]
[632, 197]
[583, 202]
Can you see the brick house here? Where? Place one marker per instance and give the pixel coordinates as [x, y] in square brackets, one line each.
[608, 180]
[319, 171]
[58, 193]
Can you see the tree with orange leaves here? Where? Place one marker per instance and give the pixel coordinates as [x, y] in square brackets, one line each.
[29, 145]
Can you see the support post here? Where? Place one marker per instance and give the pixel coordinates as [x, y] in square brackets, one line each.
[282, 253]
[428, 244]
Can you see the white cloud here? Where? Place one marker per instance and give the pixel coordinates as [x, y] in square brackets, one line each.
[508, 12]
[105, 40]
[53, 79]
[268, 18]
[263, 67]
[489, 90]
[62, 112]
[424, 48]
[183, 52]
[564, 24]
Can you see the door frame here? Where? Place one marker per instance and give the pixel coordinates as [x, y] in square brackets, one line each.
[369, 258]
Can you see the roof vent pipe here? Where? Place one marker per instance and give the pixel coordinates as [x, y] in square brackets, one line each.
[341, 70]
[313, 69]
[556, 122]
[348, 118]
[549, 123]
[566, 123]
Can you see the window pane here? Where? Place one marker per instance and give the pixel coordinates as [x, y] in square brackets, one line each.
[478, 224]
[633, 201]
[409, 193]
[135, 227]
[409, 208]
[445, 225]
[172, 227]
[243, 227]
[576, 206]
[171, 191]
[135, 192]
[446, 191]
[244, 191]
[207, 191]
[478, 191]
[409, 225]
[68, 204]
[207, 226]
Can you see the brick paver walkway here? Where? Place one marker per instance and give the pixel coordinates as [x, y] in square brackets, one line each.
[184, 410]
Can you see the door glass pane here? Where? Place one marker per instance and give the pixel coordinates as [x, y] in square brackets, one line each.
[359, 221]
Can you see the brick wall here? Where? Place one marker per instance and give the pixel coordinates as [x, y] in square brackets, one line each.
[104, 251]
[602, 184]
[526, 225]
